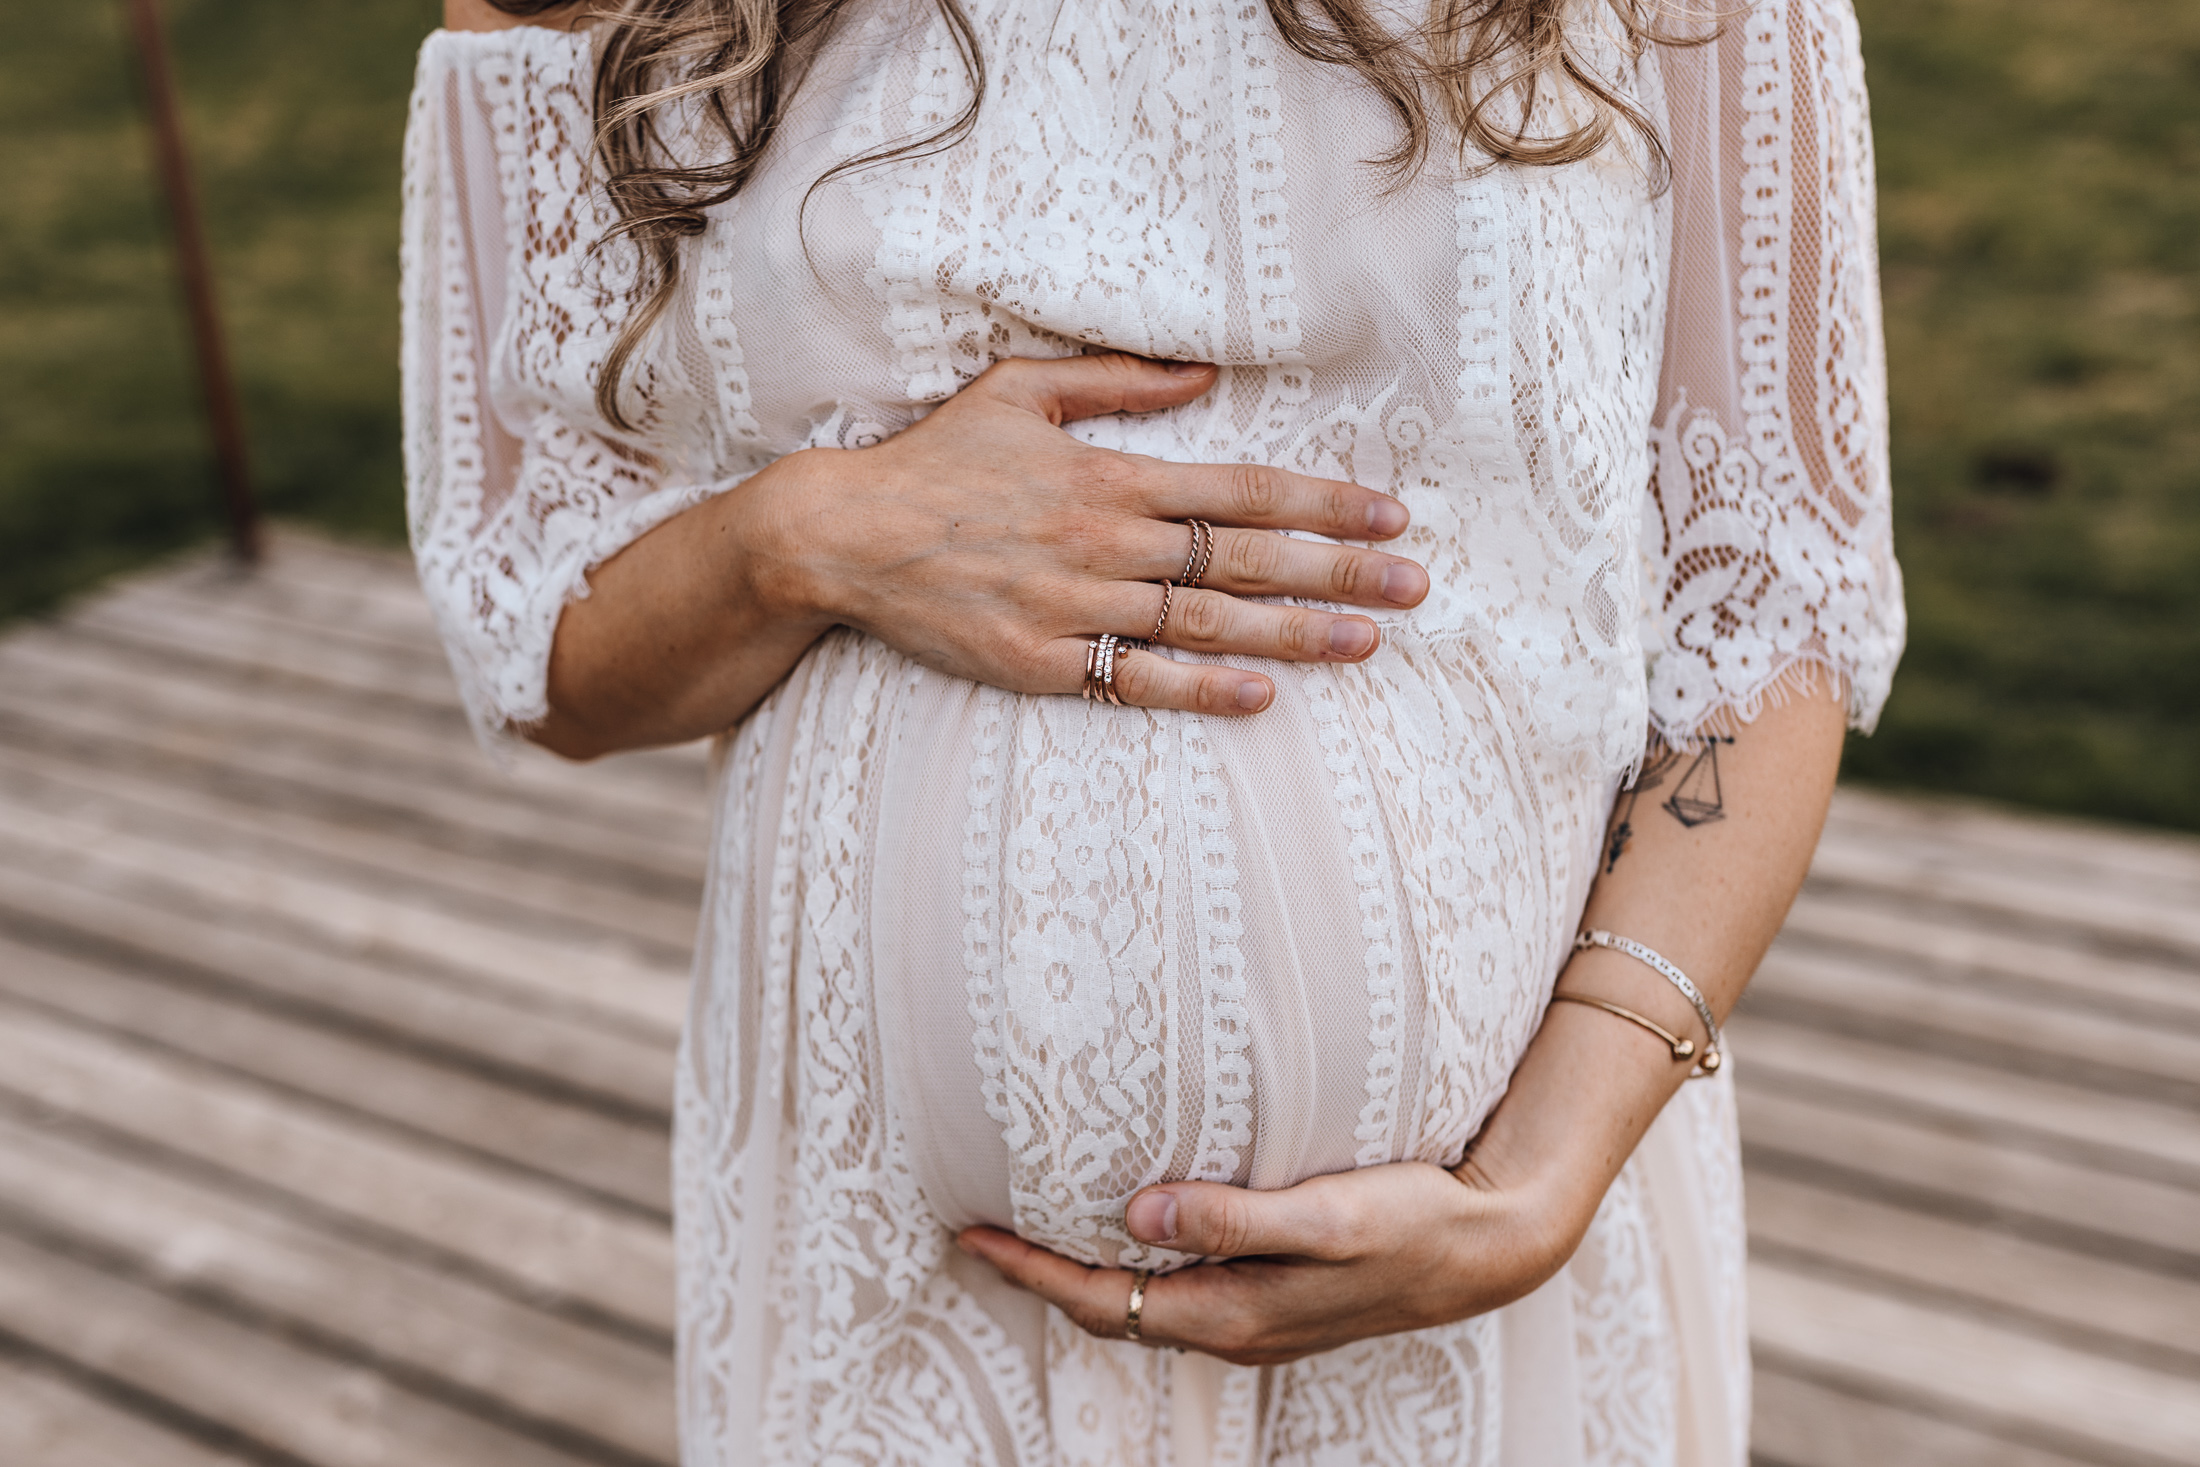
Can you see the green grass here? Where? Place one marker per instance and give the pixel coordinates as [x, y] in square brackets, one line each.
[295, 109]
[2039, 167]
[2040, 221]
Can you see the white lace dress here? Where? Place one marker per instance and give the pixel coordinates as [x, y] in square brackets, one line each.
[971, 955]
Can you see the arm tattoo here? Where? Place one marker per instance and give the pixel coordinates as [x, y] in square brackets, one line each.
[1697, 798]
[1654, 770]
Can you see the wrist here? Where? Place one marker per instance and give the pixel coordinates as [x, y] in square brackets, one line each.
[1534, 1226]
[1544, 1191]
[772, 528]
[1582, 1096]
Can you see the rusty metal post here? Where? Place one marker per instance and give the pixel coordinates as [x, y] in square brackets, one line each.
[224, 420]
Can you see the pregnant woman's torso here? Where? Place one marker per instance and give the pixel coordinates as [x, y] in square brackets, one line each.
[1092, 947]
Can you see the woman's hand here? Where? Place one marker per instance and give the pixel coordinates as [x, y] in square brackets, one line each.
[1312, 1267]
[986, 542]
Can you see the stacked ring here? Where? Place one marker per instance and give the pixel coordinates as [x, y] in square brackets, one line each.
[1100, 655]
[1203, 551]
[1161, 622]
[1102, 651]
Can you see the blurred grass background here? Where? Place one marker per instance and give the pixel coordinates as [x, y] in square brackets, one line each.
[294, 110]
[2040, 227]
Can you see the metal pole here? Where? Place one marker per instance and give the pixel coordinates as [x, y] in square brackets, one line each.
[223, 418]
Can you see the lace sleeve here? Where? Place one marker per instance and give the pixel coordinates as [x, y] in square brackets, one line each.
[515, 485]
[1767, 526]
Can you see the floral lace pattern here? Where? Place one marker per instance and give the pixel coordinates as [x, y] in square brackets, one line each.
[1768, 516]
[969, 954]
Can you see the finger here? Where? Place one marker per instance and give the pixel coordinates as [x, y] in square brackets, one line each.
[1096, 1299]
[1310, 1220]
[1143, 680]
[1262, 563]
[1240, 1312]
[1209, 621]
[1068, 388]
[1275, 499]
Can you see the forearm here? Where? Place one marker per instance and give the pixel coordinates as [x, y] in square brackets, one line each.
[1701, 870]
[682, 633]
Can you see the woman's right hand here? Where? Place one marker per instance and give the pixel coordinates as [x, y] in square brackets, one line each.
[986, 542]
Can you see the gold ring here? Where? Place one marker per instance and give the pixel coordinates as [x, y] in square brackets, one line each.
[1131, 1328]
[1168, 594]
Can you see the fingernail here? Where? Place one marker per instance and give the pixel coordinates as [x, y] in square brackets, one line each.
[963, 1242]
[1151, 1217]
[1351, 638]
[1189, 369]
[1387, 517]
[1252, 696]
[1404, 584]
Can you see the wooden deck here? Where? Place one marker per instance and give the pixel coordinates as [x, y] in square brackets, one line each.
[334, 1075]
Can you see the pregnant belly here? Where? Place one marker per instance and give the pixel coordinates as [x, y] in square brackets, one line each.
[1111, 948]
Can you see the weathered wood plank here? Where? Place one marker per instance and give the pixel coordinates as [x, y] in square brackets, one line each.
[537, 1237]
[2113, 1132]
[2124, 1215]
[1899, 1351]
[64, 656]
[49, 1421]
[329, 1412]
[2107, 912]
[215, 631]
[483, 890]
[313, 582]
[267, 612]
[511, 1032]
[1883, 1000]
[1868, 927]
[611, 1156]
[175, 726]
[185, 1235]
[2096, 1303]
[609, 979]
[1802, 1423]
[2161, 860]
[309, 584]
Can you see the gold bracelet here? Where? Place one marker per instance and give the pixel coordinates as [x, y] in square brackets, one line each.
[1683, 1049]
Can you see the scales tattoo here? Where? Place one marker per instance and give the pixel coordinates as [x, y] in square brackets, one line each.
[1697, 798]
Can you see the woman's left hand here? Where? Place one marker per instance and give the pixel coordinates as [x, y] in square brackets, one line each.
[1332, 1260]
[1407, 1246]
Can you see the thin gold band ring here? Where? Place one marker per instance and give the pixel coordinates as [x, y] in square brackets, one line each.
[1132, 1330]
